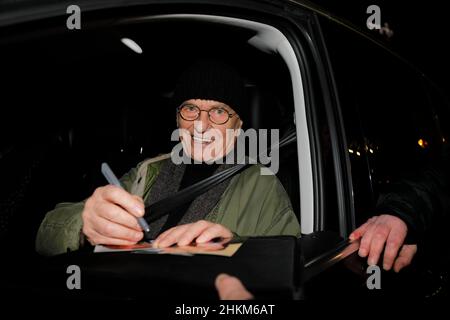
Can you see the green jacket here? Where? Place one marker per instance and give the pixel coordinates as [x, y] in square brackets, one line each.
[251, 205]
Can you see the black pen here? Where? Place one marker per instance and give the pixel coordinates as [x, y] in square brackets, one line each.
[112, 179]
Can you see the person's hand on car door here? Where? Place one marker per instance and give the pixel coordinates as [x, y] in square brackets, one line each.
[201, 231]
[385, 232]
[109, 217]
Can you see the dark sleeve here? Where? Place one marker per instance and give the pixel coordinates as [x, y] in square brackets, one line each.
[421, 201]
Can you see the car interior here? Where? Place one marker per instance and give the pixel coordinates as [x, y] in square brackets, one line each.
[97, 97]
[73, 99]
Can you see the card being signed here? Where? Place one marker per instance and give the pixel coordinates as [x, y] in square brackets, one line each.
[141, 246]
[222, 248]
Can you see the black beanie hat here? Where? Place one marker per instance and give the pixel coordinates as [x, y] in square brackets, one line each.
[212, 80]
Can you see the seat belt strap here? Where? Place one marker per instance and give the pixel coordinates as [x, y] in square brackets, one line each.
[160, 208]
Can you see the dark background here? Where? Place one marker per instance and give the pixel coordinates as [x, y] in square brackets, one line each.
[419, 36]
[421, 31]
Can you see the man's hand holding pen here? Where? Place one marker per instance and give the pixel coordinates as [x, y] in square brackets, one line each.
[109, 217]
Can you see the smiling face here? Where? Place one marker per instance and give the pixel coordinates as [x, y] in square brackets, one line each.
[202, 139]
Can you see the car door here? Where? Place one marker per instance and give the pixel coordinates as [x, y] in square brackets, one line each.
[391, 130]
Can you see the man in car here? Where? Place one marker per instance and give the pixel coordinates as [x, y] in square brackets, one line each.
[211, 108]
[210, 97]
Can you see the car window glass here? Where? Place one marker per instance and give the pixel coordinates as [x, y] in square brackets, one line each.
[389, 121]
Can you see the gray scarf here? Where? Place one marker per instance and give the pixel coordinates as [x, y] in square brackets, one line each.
[168, 182]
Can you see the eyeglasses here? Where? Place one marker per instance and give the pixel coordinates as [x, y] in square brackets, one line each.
[217, 115]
